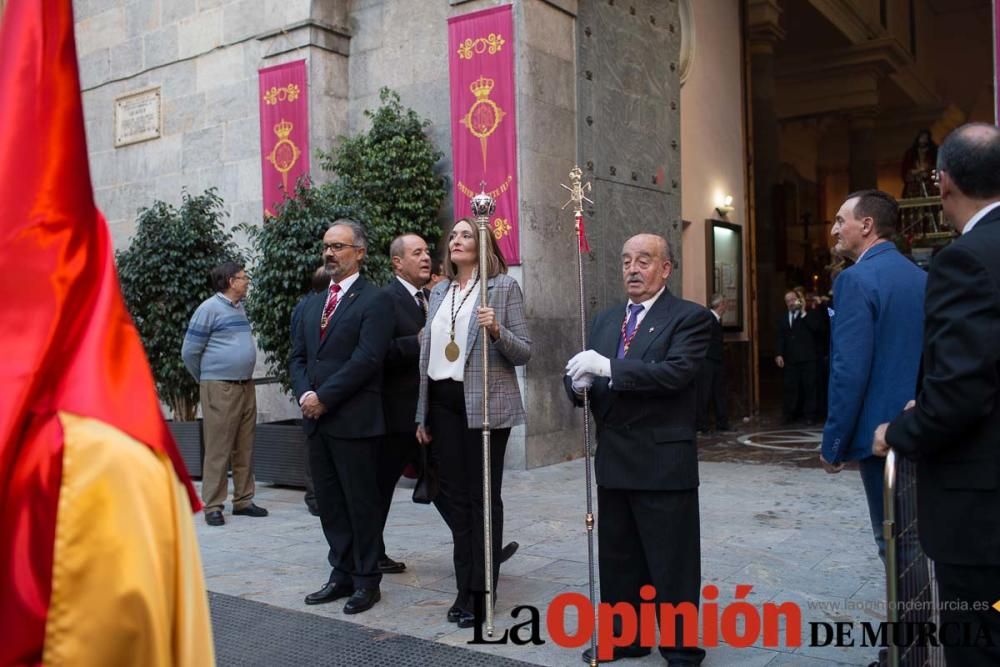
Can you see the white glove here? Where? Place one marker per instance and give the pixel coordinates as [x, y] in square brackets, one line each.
[583, 384]
[590, 362]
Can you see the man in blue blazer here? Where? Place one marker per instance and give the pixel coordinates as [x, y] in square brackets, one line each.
[875, 340]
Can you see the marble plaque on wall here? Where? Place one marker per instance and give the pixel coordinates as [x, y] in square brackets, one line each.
[138, 117]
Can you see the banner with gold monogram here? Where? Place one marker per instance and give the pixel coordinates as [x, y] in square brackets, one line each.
[284, 130]
[483, 131]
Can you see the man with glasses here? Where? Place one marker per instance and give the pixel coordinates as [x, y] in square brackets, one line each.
[219, 353]
[338, 348]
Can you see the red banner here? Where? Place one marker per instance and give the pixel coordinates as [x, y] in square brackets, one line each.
[483, 128]
[284, 130]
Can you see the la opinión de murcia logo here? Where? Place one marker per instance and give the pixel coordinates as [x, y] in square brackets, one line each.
[738, 623]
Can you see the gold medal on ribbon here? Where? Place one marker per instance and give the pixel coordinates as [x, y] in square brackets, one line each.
[451, 351]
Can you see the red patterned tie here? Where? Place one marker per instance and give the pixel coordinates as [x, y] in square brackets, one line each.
[331, 305]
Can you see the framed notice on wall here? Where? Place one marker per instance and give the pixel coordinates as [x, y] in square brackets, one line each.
[724, 247]
[137, 117]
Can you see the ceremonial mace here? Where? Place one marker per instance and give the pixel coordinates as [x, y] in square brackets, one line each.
[483, 207]
[577, 196]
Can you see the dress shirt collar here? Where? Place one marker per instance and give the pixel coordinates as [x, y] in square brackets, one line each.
[409, 286]
[346, 283]
[980, 214]
[232, 304]
[874, 245]
[647, 305]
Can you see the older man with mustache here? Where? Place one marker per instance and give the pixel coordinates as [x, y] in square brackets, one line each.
[640, 366]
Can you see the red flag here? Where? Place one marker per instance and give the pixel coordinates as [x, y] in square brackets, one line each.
[68, 342]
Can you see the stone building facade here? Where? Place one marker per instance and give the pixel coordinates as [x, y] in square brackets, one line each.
[597, 84]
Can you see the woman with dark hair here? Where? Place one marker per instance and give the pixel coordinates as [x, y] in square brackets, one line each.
[450, 404]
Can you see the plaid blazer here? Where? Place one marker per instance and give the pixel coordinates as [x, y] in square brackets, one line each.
[512, 348]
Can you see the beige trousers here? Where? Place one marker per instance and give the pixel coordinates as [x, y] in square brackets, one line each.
[230, 418]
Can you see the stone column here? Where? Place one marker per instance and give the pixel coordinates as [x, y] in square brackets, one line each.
[764, 34]
[546, 123]
[862, 170]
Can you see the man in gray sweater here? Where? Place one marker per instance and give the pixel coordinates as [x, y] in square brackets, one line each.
[219, 352]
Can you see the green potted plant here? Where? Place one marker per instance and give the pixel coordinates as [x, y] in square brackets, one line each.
[164, 274]
[389, 174]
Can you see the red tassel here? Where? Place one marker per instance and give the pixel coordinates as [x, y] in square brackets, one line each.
[581, 233]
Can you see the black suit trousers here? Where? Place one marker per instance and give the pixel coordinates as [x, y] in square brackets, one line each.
[970, 585]
[458, 454]
[395, 451]
[349, 508]
[651, 537]
[800, 390]
[712, 395]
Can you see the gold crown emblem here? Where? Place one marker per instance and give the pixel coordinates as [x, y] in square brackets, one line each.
[283, 129]
[482, 87]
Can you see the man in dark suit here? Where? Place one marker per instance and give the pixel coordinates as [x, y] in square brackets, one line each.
[411, 262]
[797, 333]
[320, 282]
[640, 366]
[712, 376]
[336, 368]
[953, 429]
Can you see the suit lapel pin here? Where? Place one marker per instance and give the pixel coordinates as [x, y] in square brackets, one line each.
[652, 329]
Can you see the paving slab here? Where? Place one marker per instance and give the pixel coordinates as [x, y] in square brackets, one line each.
[770, 519]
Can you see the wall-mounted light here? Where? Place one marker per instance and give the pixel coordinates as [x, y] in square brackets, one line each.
[724, 205]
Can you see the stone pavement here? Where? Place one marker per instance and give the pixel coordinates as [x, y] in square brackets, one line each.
[770, 520]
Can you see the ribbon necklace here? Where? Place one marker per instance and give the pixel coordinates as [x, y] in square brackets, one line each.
[451, 350]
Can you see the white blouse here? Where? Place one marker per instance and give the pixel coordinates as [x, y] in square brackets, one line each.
[438, 366]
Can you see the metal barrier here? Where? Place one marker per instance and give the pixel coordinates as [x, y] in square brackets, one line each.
[911, 588]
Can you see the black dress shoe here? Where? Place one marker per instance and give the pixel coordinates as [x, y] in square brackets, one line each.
[455, 611]
[509, 550]
[466, 619]
[215, 518]
[619, 653]
[251, 510]
[313, 508]
[362, 600]
[331, 591]
[387, 565]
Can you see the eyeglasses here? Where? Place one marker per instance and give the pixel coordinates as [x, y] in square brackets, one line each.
[337, 247]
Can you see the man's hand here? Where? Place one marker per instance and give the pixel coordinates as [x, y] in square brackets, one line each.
[583, 384]
[879, 446]
[588, 362]
[423, 435]
[830, 468]
[780, 360]
[311, 407]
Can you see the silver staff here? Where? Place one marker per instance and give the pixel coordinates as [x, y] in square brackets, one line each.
[483, 207]
[577, 196]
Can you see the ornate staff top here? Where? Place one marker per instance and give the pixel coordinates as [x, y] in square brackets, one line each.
[482, 204]
[577, 191]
